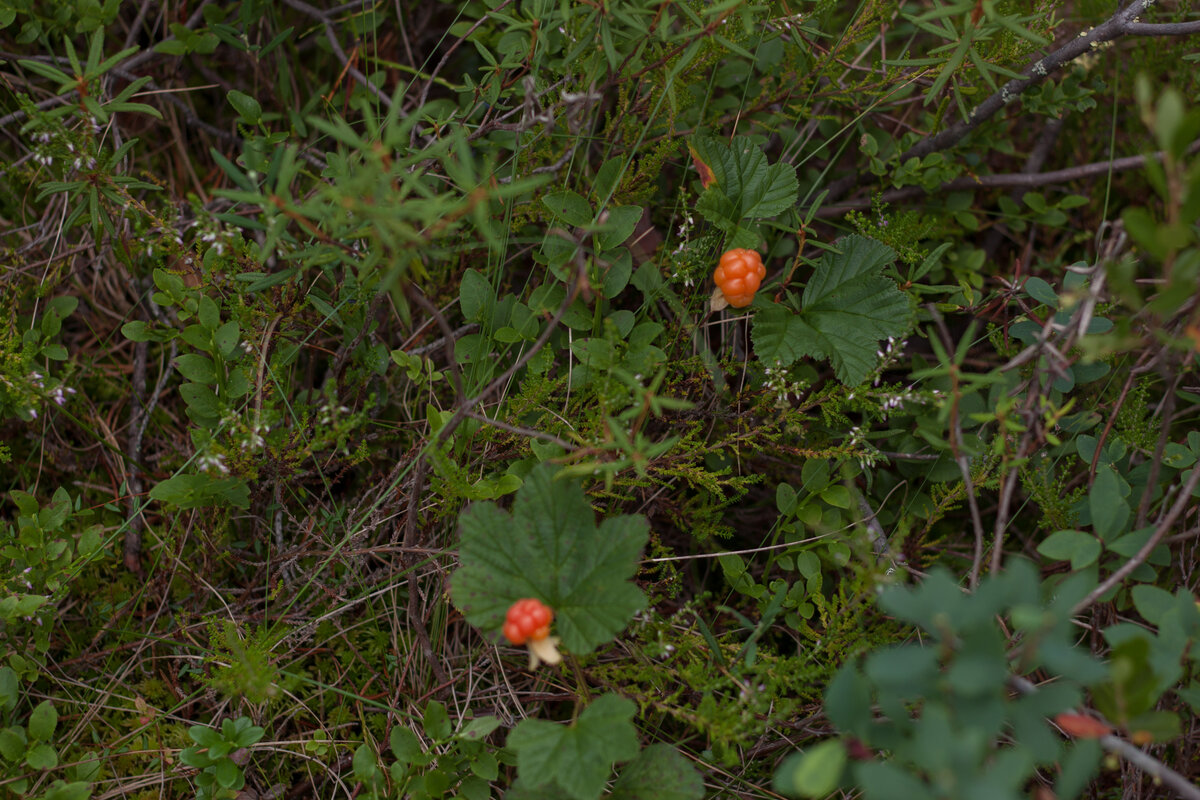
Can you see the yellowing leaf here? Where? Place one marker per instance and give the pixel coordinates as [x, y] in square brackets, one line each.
[1081, 726]
[707, 178]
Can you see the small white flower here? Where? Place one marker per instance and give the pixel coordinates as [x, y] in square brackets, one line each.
[209, 462]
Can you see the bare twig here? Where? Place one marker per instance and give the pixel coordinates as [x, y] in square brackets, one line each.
[519, 431]
[960, 458]
[459, 332]
[350, 69]
[139, 417]
[1033, 164]
[1124, 22]
[1052, 342]
[132, 547]
[465, 407]
[450, 51]
[1003, 181]
[1116, 26]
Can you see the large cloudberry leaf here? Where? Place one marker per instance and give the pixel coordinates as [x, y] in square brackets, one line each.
[847, 309]
[577, 758]
[746, 186]
[549, 547]
[658, 773]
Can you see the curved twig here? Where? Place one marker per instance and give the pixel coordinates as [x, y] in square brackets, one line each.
[1124, 22]
[323, 18]
[1004, 181]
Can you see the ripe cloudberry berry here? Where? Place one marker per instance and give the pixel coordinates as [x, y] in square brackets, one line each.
[528, 622]
[527, 619]
[739, 275]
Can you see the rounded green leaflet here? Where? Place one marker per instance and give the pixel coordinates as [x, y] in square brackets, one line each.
[814, 772]
[550, 547]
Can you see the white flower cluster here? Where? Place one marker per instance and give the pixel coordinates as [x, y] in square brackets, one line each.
[37, 382]
[869, 453]
[896, 402]
[40, 156]
[214, 235]
[212, 462]
[329, 413]
[251, 436]
[254, 436]
[788, 22]
[888, 355]
[685, 229]
[749, 690]
[781, 383]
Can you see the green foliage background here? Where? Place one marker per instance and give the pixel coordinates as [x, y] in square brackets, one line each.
[330, 329]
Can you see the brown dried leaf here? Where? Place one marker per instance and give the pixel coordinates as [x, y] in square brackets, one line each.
[1082, 726]
[707, 178]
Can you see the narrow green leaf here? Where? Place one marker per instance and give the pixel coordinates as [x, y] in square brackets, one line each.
[226, 338]
[883, 779]
[10, 688]
[235, 174]
[848, 700]
[46, 71]
[196, 368]
[476, 297]
[618, 226]
[365, 763]
[1152, 602]
[1041, 291]
[405, 745]
[12, 743]
[436, 722]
